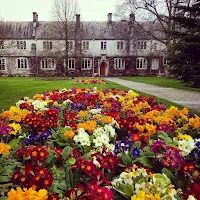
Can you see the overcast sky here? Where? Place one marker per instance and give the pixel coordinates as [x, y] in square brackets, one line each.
[21, 10]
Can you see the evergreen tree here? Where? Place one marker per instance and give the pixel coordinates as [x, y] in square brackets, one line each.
[184, 56]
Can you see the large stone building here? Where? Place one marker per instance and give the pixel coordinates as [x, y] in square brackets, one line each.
[106, 48]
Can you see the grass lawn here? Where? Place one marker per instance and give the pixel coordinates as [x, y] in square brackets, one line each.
[162, 81]
[12, 89]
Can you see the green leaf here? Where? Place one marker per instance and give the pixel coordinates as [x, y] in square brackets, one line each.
[71, 161]
[136, 145]
[165, 137]
[126, 159]
[4, 178]
[51, 158]
[66, 152]
[13, 143]
[146, 161]
[127, 190]
[169, 174]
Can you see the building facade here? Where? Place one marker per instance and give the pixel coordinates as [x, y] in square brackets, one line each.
[109, 48]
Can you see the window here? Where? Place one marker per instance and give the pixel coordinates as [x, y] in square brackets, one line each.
[119, 63]
[48, 64]
[120, 45]
[103, 45]
[142, 45]
[155, 46]
[33, 47]
[22, 63]
[69, 45]
[71, 64]
[47, 45]
[85, 45]
[21, 44]
[2, 64]
[164, 61]
[86, 63]
[155, 64]
[1, 44]
[141, 63]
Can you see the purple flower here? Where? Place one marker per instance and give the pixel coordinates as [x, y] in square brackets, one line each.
[158, 146]
[198, 145]
[136, 152]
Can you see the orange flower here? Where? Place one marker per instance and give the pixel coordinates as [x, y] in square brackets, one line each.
[107, 119]
[69, 134]
[4, 148]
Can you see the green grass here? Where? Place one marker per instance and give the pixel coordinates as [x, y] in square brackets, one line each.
[162, 81]
[12, 89]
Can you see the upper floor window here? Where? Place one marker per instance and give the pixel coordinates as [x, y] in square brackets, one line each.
[2, 64]
[48, 64]
[120, 45]
[21, 44]
[69, 45]
[103, 45]
[86, 63]
[119, 63]
[142, 45]
[155, 64]
[1, 44]
[33, 47]
[71, 64]
[47, 45]
[85, 45]
[164, 61]
[155, 46]
[141, 63]
[22, 63]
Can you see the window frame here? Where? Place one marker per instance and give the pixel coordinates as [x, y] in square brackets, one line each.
[142, 61]
[84, 61]
[119, 63]
[22, 63]
[120, 45]
[45, 62]
[2, 64]
[21, 44]
[47, 45]
[72, 63]
[103, 45]
[142, 44]
[2, 47]
[85, 45]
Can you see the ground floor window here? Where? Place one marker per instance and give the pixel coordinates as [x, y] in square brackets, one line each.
[155, 64]
[86, 64]
[71, 64]
[164, 61]
[22, 63]
[48, 64]
[119, 63]
[141, 63]
[2, 64]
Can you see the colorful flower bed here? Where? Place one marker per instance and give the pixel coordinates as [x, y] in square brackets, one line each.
[91, 81]
[98, 144]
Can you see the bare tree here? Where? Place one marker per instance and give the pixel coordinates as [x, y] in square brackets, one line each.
[64, 12]
[160, 13]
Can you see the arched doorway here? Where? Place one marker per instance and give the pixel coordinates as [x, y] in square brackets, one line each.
[102, 69]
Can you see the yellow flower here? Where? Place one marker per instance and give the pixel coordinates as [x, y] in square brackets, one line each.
[16, 128]
[151, 129]
[106, 119]
[38, 97]
[69, 134]
[4, 148]
[184, 136]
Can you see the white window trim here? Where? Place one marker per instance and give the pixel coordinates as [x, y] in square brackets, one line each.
[88, 67]
[103, 45]
[119, 63]
[155, 64]
[47, 60]
[142, 44]
[164, 61]
[120, 45]
[85, 45]
[21, 44]
[144, 63]
[22, 59]
[47, 45]
[3, 62]
[69, 67]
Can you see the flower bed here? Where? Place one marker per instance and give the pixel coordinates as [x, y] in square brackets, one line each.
[93, 144]
[91, 81]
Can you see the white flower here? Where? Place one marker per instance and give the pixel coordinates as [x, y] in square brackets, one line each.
[20, 102]
[191, 198]
[82, 137]
[104, 138]
[67, 101]
[98, 131]
[186, 146]
[96, 162]
[95, 111]
[110, 147]
[140, 186]
[110, 130]
[116, 182]
[127, 178]
[98, 142]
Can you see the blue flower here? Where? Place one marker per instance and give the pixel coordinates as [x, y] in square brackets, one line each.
[136, 152]
[198, 145]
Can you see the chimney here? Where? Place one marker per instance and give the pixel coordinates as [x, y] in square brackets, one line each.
[35, 17]
[78, 21]
[109, 18]
[132, 17]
